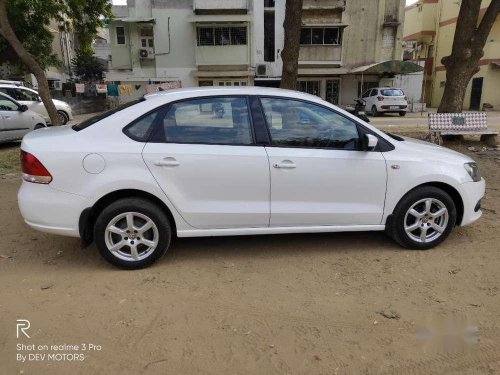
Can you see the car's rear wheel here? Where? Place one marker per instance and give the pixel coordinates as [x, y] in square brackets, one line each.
[423, 218]
[375, 112]
[39, 126]
[402, 113]
[63, 117]
[132, 233]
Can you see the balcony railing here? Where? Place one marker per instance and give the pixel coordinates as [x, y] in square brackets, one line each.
[220, 5]
[323, 4]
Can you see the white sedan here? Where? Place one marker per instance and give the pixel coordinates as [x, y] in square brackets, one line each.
[238, 161]
[31, 98]
[16, 119]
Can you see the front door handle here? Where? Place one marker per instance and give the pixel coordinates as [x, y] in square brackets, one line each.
[167, 162]
[285, 164]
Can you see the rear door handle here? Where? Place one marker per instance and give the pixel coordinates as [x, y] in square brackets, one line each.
[167, 162]
[285, 164]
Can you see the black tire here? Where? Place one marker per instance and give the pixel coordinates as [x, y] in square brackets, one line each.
[140, 206]
[375, 113]
[396, 226]
[39, 126]
[402, 113]
[64, 117]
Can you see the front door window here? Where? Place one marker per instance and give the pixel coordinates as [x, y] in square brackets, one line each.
[294, 123]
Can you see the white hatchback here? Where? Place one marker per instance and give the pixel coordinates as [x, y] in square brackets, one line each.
[31, 98]
[238, 161]
[16, 119]
[381, 100]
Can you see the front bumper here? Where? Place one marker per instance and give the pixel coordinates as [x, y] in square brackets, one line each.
[471, 193]
[49, 210]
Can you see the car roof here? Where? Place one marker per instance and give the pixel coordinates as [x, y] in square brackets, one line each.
[11, 86]
[225, 90]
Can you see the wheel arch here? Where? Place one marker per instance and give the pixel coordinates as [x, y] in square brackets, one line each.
[90, 214]
[452, 192]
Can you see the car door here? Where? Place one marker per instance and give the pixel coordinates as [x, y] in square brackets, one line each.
[206, 161]
[14, 122]
[31, 99]
[319, 175]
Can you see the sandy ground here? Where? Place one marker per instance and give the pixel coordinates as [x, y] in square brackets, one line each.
[294, 304]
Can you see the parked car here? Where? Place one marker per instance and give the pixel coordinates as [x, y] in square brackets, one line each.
[278, 161]
[381, 100]
[30, 97]
[16, 119]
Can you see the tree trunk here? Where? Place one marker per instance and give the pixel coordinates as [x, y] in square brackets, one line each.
[43, 86]
[290, 53]
[467, 50]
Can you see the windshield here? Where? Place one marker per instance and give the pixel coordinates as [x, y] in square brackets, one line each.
[92, 120]
[391, 92]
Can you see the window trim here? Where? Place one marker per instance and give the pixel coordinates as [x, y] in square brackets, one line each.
[214, 27]
[158, 136]
[382, 146]
[340, 34]
[124, 36]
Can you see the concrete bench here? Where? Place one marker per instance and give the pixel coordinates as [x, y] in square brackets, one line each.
[456, 125]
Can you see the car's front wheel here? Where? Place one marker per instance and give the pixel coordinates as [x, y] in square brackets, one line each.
[132, 233]
[63, 117]
[423, 218]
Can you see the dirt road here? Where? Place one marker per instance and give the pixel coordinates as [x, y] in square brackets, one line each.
[294, 304]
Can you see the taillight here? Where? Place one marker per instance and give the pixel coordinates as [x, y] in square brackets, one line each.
[406, 98]
[380, 98]
[33, 169]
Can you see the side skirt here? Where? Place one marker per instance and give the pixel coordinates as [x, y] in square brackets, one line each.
[277, 230]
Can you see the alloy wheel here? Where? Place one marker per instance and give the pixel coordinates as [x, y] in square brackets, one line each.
[131, 236]
[426, 220]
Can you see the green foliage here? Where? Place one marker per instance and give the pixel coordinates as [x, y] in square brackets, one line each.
[86, 66]
[35, 21]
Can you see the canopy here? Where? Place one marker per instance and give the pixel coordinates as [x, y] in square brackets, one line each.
[138, 20]
[390, 66]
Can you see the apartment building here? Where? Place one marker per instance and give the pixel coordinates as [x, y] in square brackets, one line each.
[239, 42]
[428, 34]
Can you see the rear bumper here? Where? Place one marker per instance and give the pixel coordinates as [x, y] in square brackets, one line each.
[387, 108]
[472, 193]
[49, 210]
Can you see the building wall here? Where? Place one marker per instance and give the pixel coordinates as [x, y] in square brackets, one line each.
[418, 25]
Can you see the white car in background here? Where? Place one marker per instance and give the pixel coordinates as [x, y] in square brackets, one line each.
[16, 119]
[31, 98]
[381, 100]
[273, 161]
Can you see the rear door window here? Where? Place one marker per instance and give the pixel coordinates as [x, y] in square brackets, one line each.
[214, 120]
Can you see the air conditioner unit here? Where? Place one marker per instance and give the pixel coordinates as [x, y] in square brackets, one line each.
[147, 53]
[261, 70]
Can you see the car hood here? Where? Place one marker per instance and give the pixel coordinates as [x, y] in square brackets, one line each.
[60, 103]
[432, 151]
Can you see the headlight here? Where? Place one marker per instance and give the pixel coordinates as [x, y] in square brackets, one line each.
[473, 171]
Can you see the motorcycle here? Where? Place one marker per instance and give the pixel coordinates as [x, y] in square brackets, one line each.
[358, 109]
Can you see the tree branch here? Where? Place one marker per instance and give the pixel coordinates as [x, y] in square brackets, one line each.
[487, 22]
[43, 86]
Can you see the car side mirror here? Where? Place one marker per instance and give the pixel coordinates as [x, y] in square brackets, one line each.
[369, 142]
[23, 108]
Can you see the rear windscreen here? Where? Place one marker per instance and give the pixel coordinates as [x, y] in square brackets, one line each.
[92, 120]
[391, 92]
